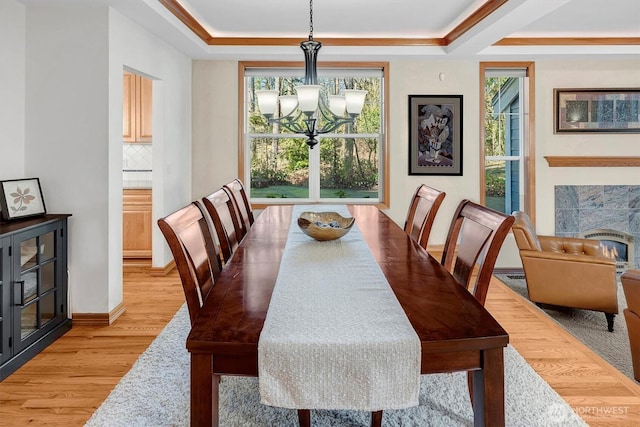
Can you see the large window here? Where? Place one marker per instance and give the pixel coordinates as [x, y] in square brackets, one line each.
[348, 165]
[507, 174]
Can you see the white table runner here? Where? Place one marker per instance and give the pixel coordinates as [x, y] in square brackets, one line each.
[335, 336]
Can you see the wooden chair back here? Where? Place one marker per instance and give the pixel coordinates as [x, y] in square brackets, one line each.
[475, 238]
[422, 212]
[221, 209]
[190, 239]
[238, 193]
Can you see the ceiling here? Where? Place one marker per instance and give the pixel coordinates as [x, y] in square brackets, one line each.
[385, 29]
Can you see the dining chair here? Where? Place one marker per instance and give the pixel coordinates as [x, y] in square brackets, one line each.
[238, 193]
[422, 212]
[220, 207]
[475, 237]
[190, 239]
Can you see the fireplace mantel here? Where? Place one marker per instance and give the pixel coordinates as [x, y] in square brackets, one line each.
[593, 161]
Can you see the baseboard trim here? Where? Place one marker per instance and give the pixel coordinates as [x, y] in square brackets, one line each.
[162, 271]
[515, 271]
[98, 319]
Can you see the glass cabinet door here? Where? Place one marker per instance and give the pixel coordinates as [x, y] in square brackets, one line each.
[35, 293]
[5, 303]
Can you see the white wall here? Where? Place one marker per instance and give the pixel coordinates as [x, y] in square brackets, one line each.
[67, 137]
[137, 50]
[73, 140]
[12, 88]
[215, 131]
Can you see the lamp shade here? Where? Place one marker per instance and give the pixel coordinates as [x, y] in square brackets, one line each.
[355, 100]
[337, 105]
[267, 101]
[308, 96]
[288, 104]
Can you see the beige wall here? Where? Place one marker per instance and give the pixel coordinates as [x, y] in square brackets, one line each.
[215, 132]
[215, 129]
[571, 74]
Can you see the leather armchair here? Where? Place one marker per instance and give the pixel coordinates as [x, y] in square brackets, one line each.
[567, 272]
[631, 284]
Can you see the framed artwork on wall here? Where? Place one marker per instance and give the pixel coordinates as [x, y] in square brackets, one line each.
[596, 110]
[21, 198]
[435, 134]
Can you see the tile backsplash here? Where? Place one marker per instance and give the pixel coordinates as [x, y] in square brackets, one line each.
[137, 165]
[137, 157]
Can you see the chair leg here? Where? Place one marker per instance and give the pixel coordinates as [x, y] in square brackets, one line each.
[470, 386]
[610, 317]
[304, 417]
[376, 419]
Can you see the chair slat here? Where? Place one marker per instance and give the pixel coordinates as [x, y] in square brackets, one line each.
[422, 212]
[221, 208]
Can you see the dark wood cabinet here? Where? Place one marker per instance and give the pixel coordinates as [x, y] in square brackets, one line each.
[33, 288]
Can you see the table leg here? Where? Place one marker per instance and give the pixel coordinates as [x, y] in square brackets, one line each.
[488, 390]
[304, 417]
[204, 391]
[376, 419]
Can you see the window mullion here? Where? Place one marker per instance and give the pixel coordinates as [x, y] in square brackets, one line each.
[314, 173]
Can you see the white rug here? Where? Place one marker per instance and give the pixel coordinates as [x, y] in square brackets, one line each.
[155, 392]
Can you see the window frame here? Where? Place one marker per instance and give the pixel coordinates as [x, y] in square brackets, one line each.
[243, 161]
[527, 155]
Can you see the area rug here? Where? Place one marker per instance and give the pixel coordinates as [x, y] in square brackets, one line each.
[590, 327]
[155, 392]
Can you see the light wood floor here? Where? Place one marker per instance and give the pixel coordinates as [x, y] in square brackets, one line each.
[63, 385]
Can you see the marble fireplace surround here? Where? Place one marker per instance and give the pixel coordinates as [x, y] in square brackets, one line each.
[579, 208]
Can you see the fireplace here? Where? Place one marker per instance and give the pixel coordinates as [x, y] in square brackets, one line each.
[610, 209]
[615, 244]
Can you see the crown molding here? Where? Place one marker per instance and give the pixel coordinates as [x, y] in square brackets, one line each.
[476, 17]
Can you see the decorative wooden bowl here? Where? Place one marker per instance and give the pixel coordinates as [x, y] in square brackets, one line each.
[324, 225]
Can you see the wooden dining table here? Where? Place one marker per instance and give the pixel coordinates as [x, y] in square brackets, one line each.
[456, 332]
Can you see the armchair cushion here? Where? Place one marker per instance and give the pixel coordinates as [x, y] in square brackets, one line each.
[572, 245]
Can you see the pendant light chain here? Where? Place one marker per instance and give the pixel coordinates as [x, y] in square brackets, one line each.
[310, 19]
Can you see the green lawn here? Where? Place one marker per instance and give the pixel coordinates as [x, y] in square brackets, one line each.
[293, 192]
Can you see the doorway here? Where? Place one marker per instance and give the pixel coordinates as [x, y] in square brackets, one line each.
[137, 170]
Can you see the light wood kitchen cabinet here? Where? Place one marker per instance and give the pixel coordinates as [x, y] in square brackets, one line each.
[136, 223]
[136, 108]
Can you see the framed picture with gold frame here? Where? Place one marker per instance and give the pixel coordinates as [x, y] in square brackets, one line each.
[597, 110]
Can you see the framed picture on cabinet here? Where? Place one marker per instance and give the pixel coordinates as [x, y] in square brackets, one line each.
[21, 198]
[596, 110]
[435, 134]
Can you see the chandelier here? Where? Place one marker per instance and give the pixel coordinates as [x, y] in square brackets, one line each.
[306, 112]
